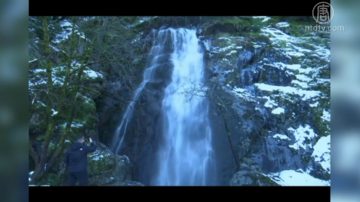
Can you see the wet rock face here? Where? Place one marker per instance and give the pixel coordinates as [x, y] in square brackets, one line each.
[284, 27]
[250, 178]
[279, 89]
[144, 129]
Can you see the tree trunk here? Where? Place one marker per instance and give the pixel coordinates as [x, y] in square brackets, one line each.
[50, 122]
[44, 156]
[60, 146]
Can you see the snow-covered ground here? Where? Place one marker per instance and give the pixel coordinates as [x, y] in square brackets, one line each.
[296, 178]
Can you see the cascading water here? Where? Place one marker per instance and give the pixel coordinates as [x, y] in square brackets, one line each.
[185, 156]
[157, 50]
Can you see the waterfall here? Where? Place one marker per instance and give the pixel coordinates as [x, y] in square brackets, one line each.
[185, 154]
[158, 49]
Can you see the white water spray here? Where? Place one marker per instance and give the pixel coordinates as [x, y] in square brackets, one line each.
[157, 50]
[185, 156]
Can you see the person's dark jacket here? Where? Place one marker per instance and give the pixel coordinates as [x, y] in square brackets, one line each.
[76, 156]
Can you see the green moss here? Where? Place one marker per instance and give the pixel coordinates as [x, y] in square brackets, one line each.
[283, 44]
[40, 138]
[320, 126]
[260, 180]
[306, 46]
[52, 146]
[325, 73]
[51, 179]
[293, 151]
[241, 23]
[268, 181]
[222, 42]
[100, 163]
[305, 159]
[260, 37]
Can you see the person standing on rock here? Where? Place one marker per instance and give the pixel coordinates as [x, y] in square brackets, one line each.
[76, 161]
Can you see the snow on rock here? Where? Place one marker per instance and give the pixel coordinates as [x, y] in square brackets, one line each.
[92, 74]
[326, 115]
[293, 67]
[277, 36]
[239, 90]
[265, 18]
[98, 154]
[301, 135]
[269, 103]
[282, 137]
[305, 94]
[296, 178]
[302, 77]
[303, 85]
[282, 24]
[316, 104]
[278, 110]
[321, 152]
[75, 64]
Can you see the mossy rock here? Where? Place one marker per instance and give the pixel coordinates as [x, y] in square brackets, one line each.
[105, 168]
[249, 178]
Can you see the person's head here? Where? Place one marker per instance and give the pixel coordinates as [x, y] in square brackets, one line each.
[80, 139]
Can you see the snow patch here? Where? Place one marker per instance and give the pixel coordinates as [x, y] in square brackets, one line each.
[315, 104]
[265, 18]
[296, 178]
[232, 52]
[278, 110]
[244, 93]
[54, 112]
[75, 64]
[277, 35]
[302, 77]
[305, 94]
[301, 84]
[239, 90]
[98, 155]
[92, 74]
[321, 152]
[282, 137]
[301, 135]
[77, 125]
[326, 115]
[269, 103]
[282, 24]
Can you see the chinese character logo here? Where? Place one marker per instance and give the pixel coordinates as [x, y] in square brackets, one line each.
[323, 13]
